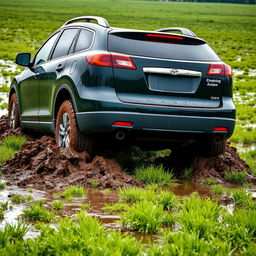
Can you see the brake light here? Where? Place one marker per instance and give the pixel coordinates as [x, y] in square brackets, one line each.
[219, 70]
[220, 129]
[122, 123]
[165, 36]
[111, 60]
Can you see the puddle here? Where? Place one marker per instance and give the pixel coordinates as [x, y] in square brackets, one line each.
[96, 199]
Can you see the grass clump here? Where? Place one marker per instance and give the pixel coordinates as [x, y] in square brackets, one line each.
[119, 207]
[153, 174]
[217, 189]
[146, 217]
[9, 146]
[57, 205]
[236, 177]
[200, 216]
[187, 173]
[37, 213]
[165, 198]
[243, 199]
[73, 191]
[135, 194]
[209, 181]
[14, 232]
[2, 185]
[17, 198]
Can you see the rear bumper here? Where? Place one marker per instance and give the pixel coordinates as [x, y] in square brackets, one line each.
[102, 121]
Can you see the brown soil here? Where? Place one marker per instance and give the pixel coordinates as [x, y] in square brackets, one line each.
[207, 167]
[41, 163]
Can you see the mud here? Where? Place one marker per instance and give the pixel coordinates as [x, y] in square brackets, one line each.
[206, 167]
[41, 163]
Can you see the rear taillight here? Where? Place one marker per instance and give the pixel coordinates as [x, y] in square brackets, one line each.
[219, 70]
[111, 60]
[220, 129]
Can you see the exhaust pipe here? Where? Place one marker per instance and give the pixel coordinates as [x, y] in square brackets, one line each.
[120, 135]
[216, 140]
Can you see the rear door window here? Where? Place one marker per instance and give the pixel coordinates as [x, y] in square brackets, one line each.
[84, 40]
[64, 43]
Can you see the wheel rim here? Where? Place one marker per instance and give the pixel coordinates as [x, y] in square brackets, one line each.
[12, 116]
[64, 131]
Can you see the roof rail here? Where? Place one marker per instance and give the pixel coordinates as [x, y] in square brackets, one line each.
[101, 21]
[184, 31]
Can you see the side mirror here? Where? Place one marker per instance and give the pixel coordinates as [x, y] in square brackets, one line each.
[23, 59]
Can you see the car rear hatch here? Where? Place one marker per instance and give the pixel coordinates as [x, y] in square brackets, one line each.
[163, 69]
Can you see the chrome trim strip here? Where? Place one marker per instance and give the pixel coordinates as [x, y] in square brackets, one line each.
[172, 71]
[36, 122]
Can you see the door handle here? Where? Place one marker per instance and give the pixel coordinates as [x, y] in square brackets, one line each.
[59, 68]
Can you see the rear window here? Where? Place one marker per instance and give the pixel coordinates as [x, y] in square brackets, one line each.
[161, 46]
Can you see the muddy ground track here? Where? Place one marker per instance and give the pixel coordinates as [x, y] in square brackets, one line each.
[41, 163]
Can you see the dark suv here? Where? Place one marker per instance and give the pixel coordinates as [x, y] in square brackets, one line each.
[156, 89]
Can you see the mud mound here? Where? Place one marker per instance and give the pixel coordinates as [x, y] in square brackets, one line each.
[215, 167]
[211, 167]
[43, 164]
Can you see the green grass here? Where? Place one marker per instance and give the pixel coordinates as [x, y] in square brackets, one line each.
[9, 146]
[235, 177]
[153, 174]
[2, 185]
[146, 217]
[57, 205]
[243, 199]
[73, 191]
[187, 173]
[209, 181]
[217, 189]
[200, 216]
[37, 213]
[17, 198]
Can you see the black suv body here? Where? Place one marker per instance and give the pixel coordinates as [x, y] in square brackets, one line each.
[150, 88]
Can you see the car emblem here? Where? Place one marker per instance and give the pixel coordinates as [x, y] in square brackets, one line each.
[174, 71]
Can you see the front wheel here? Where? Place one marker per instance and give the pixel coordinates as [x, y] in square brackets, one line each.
[67, 133]
[13, 112]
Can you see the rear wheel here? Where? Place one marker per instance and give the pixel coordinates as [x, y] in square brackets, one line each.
[67, 133]
[214, 146]
[13, 112]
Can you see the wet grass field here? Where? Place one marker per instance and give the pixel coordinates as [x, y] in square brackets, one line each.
[175, 219]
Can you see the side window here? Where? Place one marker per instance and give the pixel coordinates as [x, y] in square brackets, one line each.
[64, 43]
[43, 54]
[84, 40]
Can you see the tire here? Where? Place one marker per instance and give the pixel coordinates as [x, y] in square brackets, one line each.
[13, 112]
[67, 133]
[214, 147]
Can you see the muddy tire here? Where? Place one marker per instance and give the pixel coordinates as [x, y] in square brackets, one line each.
[67, 133]
[13, 112]
[214, 147]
